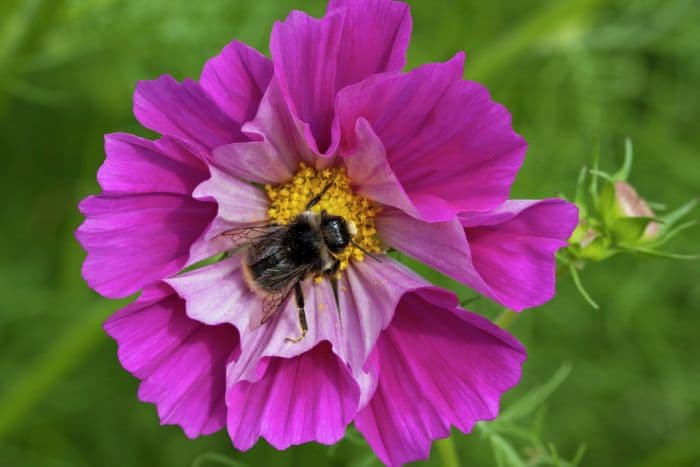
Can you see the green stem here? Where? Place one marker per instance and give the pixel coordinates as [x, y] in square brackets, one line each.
[447, 451]
[506, 318]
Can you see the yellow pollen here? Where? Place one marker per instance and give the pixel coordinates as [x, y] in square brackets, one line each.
[289, 200]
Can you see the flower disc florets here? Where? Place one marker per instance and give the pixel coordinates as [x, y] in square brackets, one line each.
[290, 199]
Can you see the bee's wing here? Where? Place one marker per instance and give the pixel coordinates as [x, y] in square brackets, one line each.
[243, 235]
[273, 301]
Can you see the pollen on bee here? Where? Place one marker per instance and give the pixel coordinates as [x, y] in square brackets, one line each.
[290, 199]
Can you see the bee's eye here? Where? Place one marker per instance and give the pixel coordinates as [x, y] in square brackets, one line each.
[335, 233]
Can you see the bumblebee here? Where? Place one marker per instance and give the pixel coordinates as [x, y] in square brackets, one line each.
[279, 257]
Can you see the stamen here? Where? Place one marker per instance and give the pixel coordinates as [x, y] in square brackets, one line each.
[289, 200]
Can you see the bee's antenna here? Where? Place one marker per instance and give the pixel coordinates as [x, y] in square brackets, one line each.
[371, 255]
[318, 197]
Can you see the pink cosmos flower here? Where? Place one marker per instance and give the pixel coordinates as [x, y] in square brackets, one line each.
[420, 162]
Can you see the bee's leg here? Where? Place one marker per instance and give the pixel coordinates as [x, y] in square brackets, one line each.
[299, 298]
[318, 197]
[334, 268]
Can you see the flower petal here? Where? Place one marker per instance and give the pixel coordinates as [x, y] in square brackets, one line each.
[277, 147]
[513, 248]
[270, 339]
[185, 111]
[438, 367]
[236, 80]
[304, 51]
[181, 363]
[133, 240]
[239, 204]
[452, 148]
[314, 59]
[371, 173]
[311, 397]
[136, 165]
[375, 38]
[218, 294]
[506, 254]
[368, 294]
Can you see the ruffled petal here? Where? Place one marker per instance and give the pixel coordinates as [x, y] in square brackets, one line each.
[133, 240]
[185, 111]
[513, 248]
[236, 80]
[278, 144]
[239, 204]
[218, 294]
[181, 363]
[305, 52]
[452, 148]
[269, 340]
[316, 58]
[375, 38]
[506, 254]
[372, 174]
[368, 293]
[438, 367]
[311, 397]
[136, 165]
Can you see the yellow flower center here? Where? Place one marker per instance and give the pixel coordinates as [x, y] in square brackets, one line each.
[289, 200]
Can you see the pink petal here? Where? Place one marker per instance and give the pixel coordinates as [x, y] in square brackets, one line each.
[314, 59]
[375, 38]
[185, 111]
[133, 240]
[513, 248]
[218, 294]
[181, 363]
[368, 293]
[311, 397]
[371, 173]
[506, 254]
[277, 148]
[269, 340]
[452, 148]
[305, 51]
[136, 165]
[236, 80]
[438, 367]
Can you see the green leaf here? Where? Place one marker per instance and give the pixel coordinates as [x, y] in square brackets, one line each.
[665, 236]
[607, 205]
[624, 172]
[629, 229]
[582, 290]
[507, 452]
[676, 215]
[660, 254]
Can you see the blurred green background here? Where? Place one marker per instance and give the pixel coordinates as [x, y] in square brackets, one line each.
[575, 74]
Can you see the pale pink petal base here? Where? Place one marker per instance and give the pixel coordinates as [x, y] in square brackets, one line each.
[438, 367]
[181, 362]
[368, 293]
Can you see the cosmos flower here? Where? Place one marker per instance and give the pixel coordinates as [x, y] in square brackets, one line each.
[419, 161]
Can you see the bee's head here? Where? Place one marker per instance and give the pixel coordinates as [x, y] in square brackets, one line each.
[337, 232]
